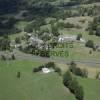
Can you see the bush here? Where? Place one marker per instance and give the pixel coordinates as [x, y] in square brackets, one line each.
[3, 57]
[61, 25]
[38, 69]
[17, 40]
[89, 44]
[29, 28]
[67, 78]
[73, 85]
[98, 31]
[78, 72]
[35, 70]
[18, 74]
[79, 36]
[5, 43]
[58, 70]
[97, 75]
[72, 67]
[79, 93]
[85, 72]
[50, 65]
[54, 30]
[69, 25]
[13, 57]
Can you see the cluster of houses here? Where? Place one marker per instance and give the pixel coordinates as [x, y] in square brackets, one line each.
[35, 41]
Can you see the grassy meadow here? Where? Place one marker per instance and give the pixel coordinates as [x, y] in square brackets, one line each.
[39, 86]
[91, 88]
[31, 86]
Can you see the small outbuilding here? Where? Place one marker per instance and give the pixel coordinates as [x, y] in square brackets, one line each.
[46, 70]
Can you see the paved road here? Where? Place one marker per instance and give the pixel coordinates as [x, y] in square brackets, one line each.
[87, 62]
[23, 56]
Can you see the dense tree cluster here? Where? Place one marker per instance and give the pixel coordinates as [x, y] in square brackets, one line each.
[94, 27]
[7, 57]
[5, 43]
[54, 30]
[78, 71]
[50, 65]
[72, 84]
[35, 25]
[7, 25]
[8, 6]
[43, 8]
[36, 51]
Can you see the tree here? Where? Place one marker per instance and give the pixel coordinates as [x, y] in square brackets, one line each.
[5, 43]
[89, 44]
[18, 74]
[38, 69]
[85, 72]
[29, 28]
[3, 57]
[67, 78]
[73, 85]
[97, 75]
[72, 66]
[78, 71]
[94, 27]
[58, 70]
[79, 93]
[90, 51]
[79, 36]
[7, 6]
[98, 31]
[50, 65]
[54, 30]
[17, 40]
[13, 57]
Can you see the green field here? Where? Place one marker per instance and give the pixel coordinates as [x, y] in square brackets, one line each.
[31, 86]
[91, 88]
[38, 86]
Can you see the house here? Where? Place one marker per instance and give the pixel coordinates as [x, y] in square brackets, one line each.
[67, 38]
[70, 38]
[34, 41]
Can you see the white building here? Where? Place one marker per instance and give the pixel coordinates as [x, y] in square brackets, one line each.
[67, 38]
[45, 70]
[70, 38]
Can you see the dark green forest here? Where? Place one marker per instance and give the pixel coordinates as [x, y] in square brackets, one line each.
[33, 9]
